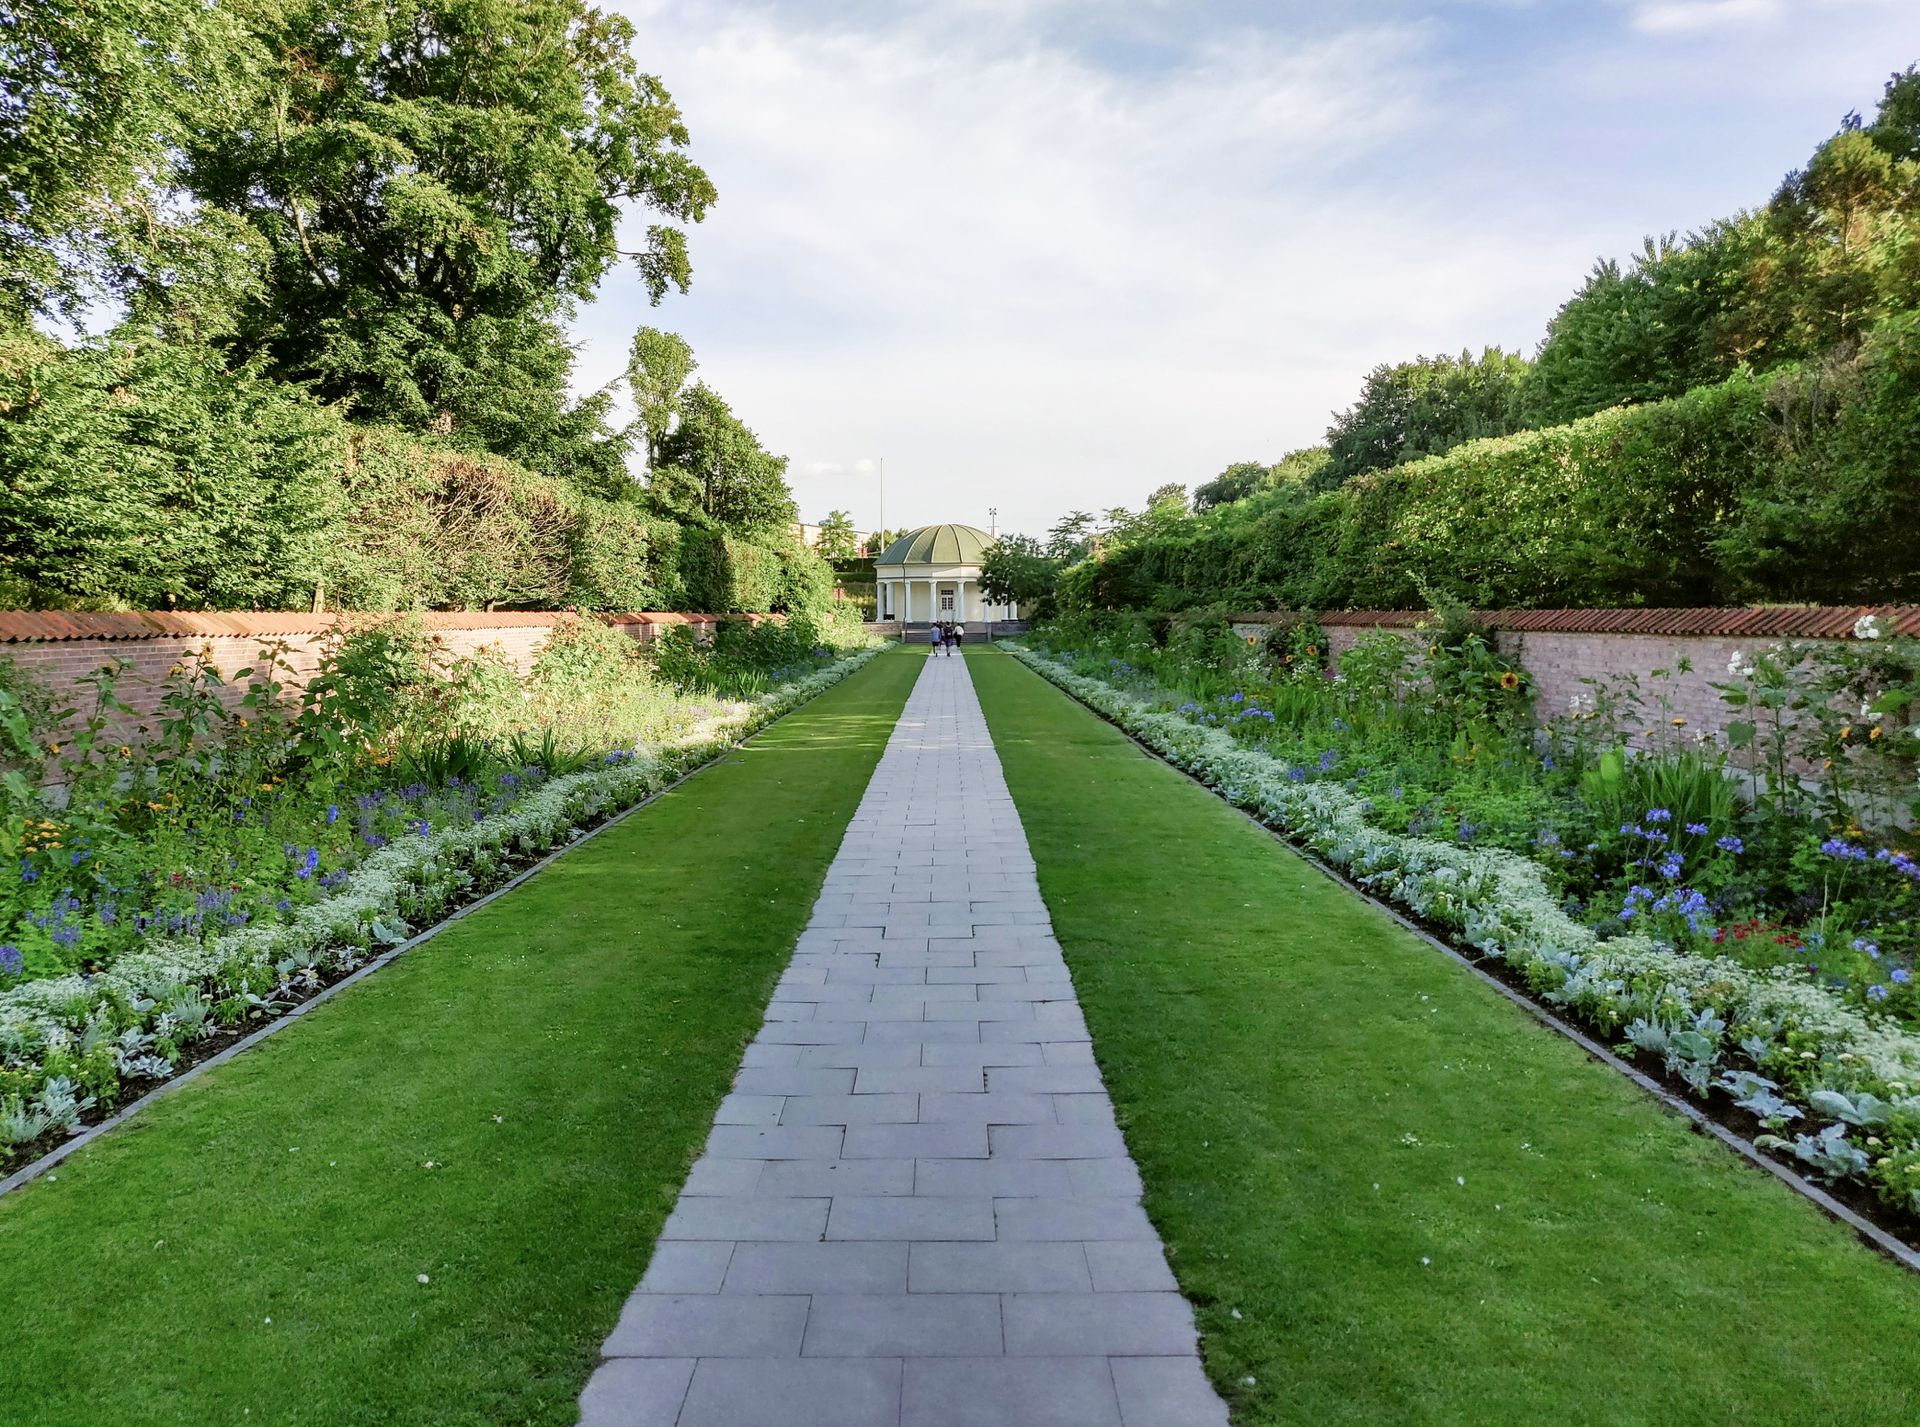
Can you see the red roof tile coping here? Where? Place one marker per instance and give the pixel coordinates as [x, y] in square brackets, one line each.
[1772, 622]
[35, 626]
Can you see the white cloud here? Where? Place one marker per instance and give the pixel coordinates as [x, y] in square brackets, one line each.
[1040, 270]
[1692, 17]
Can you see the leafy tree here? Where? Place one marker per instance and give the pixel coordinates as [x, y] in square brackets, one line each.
[1833, 253]
[657, 372]
[1072, 537]
[1896, 126]
[1018, 569]
[712, 464]
[838, 539]
[437, 182]
[1674, 318]
[1245, 478]
[1237, 482]
[1844, 240]
[98, 95]
[1424, 407]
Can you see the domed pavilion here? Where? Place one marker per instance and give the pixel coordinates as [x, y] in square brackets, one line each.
[933, 573]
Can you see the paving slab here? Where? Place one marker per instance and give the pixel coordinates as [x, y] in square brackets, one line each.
[915, 1208]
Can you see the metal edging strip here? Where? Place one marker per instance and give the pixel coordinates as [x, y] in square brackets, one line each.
[1872, 1233]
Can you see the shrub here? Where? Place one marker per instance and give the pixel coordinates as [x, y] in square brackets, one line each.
[1792, 486]
[142, 472]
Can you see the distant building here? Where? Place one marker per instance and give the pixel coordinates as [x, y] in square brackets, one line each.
[810, 535]
[933, 573]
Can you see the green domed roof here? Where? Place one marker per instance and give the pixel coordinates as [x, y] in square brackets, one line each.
[937, 545]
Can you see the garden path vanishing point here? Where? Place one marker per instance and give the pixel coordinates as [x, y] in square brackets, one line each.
[915, 1210]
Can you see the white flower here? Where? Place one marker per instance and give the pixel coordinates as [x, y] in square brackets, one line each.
[1738, 665]
[1866, 627]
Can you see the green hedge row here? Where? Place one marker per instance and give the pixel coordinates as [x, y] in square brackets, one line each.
[145, 474]
[1803, 485]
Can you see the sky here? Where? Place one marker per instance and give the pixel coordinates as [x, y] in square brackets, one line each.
[1039, 255]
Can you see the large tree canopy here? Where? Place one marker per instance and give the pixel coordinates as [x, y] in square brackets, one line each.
[98, 94]
[437, 181]
[712, 465]
[1425, 407]
[1835, 251]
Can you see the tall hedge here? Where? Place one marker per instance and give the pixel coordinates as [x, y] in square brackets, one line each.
[1797, 486]
[138, 471]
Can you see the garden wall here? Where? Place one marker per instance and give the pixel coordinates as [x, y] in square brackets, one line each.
[60, 649]
[1560, 648]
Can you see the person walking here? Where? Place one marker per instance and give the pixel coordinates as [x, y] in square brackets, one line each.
[959, 634]
[934, 639]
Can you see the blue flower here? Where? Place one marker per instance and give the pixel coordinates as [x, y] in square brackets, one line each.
[1732, 844]
[1698, 829]
[1846, 851]
[1901, 976]
[1876, 992]
[333, 813]
[1659, 815]
[10, 959]
[1297, 775]
[1860, 943]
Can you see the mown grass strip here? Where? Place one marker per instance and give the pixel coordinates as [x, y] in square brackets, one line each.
[1305, 1086]
[509, 1111]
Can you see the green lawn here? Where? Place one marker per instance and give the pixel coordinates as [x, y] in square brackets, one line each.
[1424, 1207]
[508, 1110]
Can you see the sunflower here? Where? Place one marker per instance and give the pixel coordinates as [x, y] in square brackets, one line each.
[1509, 680]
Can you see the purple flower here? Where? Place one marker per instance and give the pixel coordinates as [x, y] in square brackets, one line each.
[10, 960]
[1327, 760]
[1659, 815]
[1876, 992]
[308, 865]
[1297, 775]
[1670, 865]
[1846, 851]
[1860, 943]
[1732, 844]
[1900, 862]
[1698, 829]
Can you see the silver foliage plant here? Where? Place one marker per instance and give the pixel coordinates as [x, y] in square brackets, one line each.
[1701, 1015]
[151, 1004]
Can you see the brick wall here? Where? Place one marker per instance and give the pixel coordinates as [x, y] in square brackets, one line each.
[61, 650]
[1561, 648]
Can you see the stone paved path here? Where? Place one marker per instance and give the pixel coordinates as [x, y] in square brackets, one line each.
[915, 1209]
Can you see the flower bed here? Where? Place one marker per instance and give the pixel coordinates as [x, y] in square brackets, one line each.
[1832, 1081]
[76, 1042]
